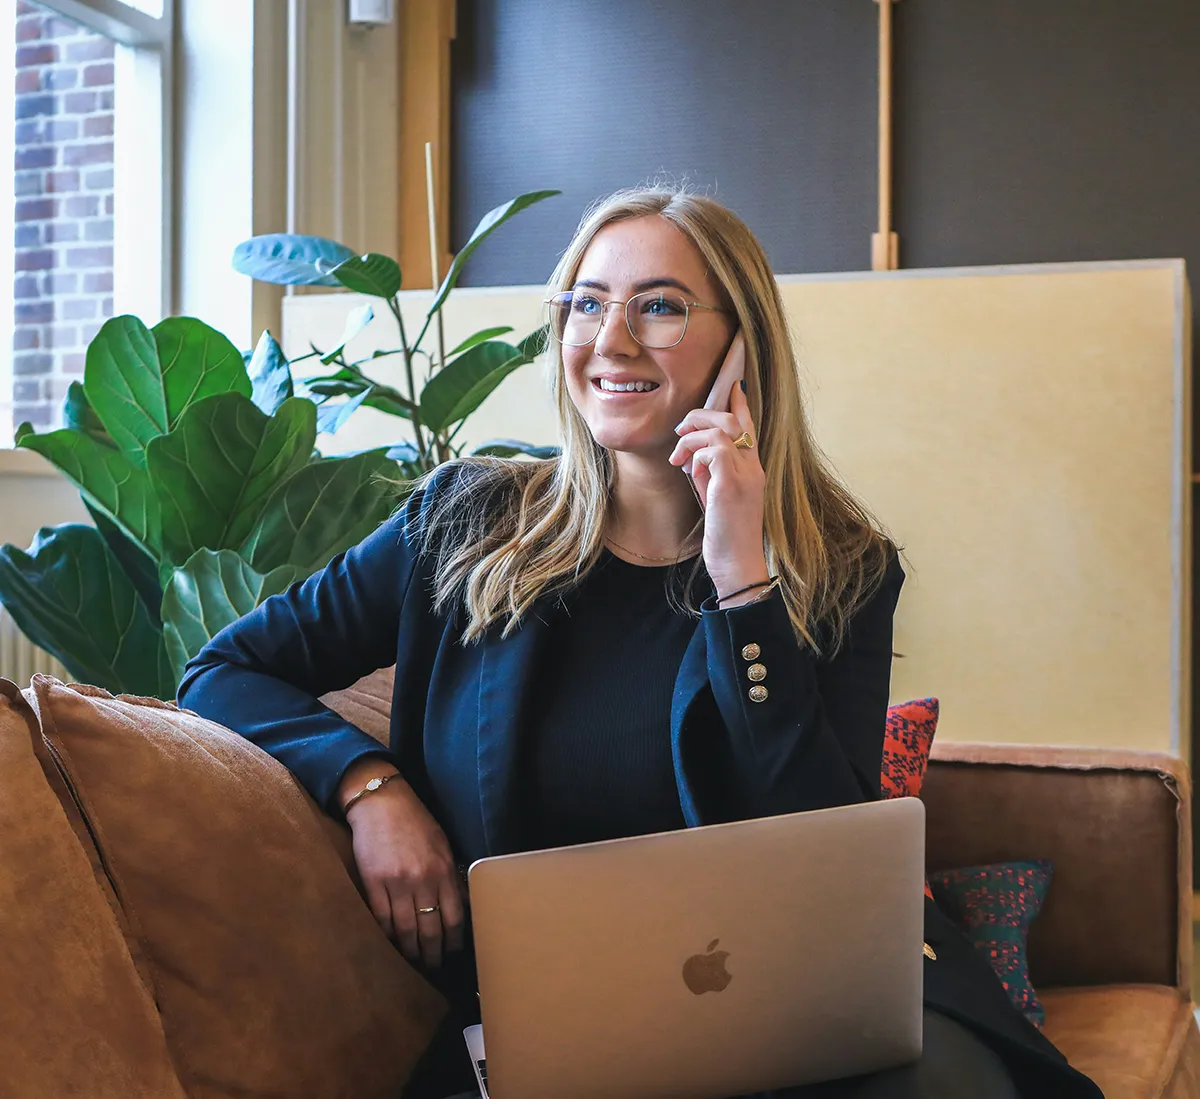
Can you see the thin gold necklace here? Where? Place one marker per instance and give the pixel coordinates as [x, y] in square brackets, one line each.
[645, 557]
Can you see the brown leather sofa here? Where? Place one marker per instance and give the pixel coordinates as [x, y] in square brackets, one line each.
[1111, 952]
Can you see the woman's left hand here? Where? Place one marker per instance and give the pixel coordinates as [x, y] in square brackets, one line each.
[730, 483]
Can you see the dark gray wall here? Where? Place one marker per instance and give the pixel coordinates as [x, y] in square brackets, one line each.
[1030, 131]
[767, 104]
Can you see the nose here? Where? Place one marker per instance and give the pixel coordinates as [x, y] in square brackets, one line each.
[614, 339]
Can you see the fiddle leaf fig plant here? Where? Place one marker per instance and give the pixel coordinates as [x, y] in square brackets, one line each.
[453, 385]
[198, 464]
[201, 475]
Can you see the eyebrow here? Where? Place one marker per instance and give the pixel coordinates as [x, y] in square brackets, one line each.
[639, 287]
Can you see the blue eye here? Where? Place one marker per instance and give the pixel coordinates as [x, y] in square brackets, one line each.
[585, 303]
[663, 307]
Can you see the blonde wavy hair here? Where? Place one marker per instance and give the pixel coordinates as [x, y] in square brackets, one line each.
[510, 531]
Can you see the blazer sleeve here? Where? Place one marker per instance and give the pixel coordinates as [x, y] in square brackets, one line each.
[261, 676]
[816, 739]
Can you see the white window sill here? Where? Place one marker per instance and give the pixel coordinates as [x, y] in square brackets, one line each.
[25, 463]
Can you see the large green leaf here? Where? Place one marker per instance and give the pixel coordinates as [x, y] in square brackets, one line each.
[140, 383]
[214, 473]
[210, 591]
[371, 274]
[326, 507]
[135, 562]
[80, 416]
[290, 259]
[488, 224]
[270, 375]
[69, 596]
[106, 477]
[197, 362]
[123, 383]
[462, 385]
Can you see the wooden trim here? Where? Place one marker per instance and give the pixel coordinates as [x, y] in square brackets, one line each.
[885, 244]
[426, 29]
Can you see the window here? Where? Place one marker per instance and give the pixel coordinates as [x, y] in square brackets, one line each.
[83, 235]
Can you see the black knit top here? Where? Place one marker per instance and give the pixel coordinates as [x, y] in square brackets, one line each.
[598, 753]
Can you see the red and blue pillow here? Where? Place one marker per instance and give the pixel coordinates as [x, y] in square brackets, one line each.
[993, 905]
[907, 739]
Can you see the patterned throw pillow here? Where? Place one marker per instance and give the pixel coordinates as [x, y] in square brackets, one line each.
[907, 739]
[995, 905]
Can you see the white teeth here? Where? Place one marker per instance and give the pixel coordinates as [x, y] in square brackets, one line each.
[627, 387]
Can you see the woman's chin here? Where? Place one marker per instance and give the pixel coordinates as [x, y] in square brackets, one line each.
[635, 445]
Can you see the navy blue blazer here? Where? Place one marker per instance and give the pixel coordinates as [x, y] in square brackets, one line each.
[816, 741]
[458, 711]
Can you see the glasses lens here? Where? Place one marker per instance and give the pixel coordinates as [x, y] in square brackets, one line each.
[575, 318]
[657, 319]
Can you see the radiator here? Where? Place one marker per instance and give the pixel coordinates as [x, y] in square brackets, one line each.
[20, 658]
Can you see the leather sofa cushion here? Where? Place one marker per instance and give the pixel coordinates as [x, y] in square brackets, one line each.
[367, 704]
[1134, 1041]
[1116, 832]
[271, 975]
[75, 1019]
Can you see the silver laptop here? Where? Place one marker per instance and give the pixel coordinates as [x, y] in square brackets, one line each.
[702, 963]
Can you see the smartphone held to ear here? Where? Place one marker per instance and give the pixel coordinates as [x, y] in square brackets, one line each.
[732, 371]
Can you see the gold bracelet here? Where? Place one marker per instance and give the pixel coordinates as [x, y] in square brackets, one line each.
[775, 582]
[377, 783]
[766, 585]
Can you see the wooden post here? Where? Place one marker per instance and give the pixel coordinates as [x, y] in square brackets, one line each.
[885, 244]
[426, 29]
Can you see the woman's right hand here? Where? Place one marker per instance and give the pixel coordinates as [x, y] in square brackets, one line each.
[405, 863]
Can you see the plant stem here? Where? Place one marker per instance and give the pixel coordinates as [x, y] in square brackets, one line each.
[412, 385]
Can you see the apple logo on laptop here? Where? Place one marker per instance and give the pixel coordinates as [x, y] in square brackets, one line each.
[706, 972]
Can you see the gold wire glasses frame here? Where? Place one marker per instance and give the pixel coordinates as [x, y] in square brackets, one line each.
[654, 330]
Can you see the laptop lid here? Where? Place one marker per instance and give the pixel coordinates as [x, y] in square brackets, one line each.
[706, 962]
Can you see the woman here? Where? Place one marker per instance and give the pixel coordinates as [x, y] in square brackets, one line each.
[601, 645]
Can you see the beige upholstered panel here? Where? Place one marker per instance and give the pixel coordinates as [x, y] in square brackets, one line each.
[1023, 433]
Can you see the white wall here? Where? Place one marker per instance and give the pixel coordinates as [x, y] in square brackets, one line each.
[34, 494]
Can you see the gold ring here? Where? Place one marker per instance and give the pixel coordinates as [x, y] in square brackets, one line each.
[745, 441]
[427, 911]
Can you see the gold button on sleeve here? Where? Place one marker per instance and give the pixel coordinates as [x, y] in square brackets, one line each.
[756, 673]
[751, 652]
[758, 694]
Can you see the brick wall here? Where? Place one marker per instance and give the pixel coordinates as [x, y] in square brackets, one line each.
[64, 206]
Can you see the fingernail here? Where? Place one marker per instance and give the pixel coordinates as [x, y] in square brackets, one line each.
[678, 426]
[742, 383]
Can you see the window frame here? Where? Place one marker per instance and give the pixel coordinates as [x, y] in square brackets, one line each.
[144, 259]
[154, 38]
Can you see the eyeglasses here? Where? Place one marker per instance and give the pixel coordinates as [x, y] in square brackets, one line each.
[654, 319]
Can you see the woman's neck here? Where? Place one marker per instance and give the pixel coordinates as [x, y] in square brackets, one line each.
[654, 510]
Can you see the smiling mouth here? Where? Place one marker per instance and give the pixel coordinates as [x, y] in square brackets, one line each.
[605, 386]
